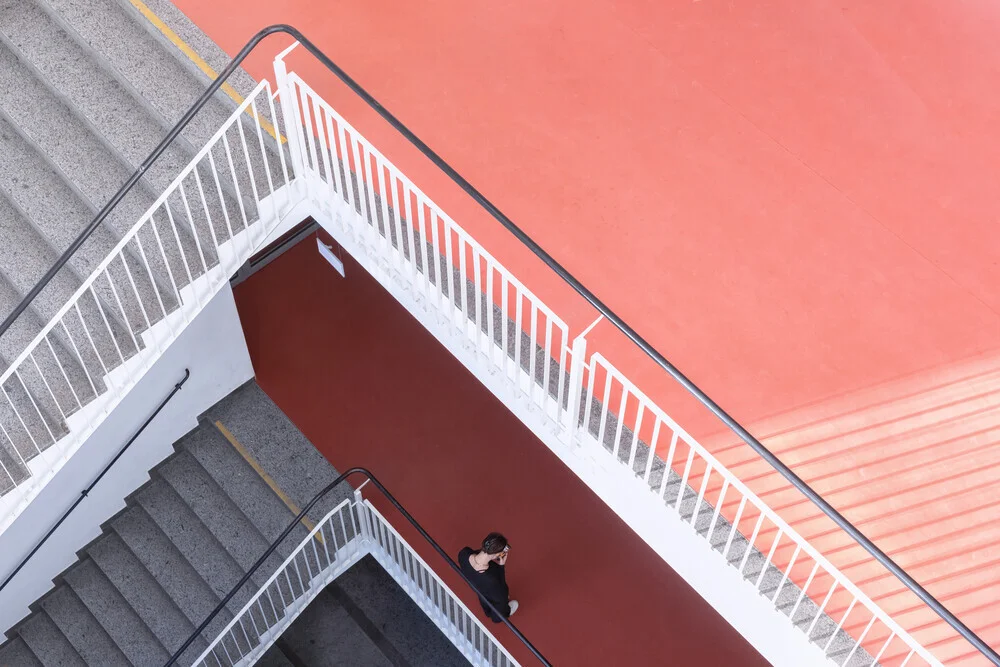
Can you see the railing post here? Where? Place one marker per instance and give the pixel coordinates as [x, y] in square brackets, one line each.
[364, 521]
[579, 357]
[290, 114]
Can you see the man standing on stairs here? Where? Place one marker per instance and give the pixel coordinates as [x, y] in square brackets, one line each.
[485, 568]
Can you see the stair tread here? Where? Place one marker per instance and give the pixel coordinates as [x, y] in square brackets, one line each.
[192, 538]
[297, 467]
[95, 92]
[142, 591]
[148, 65]
[115, 615]
[241, 482]
[165, 562]
[49, 645]
[215, 509]
[95, 167]
[15, 653]
[81, 629]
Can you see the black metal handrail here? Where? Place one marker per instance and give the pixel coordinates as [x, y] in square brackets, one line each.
[295, 522]
[549, 261]
[90, 487]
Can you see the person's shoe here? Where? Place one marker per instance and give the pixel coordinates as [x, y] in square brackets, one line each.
[513, 607]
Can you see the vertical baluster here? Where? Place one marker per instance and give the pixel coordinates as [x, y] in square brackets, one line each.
[788, 571]
[518, 336]
[684, 478]
[652, 450]
[13, 447]
[263, 153]
[62, 369]
[439, 275]
[121, 309]
[753, 539]
[246, 155]
[194, 231]
[236, 183]
[34, 362]
[770, 555]
[373, 229]
[180, 248]
[701, 494]
[878, 656]
[278, 137]
[822, 607]
[840, 625]
[533, 350]
[225, 207]
[31, 398]
[138, 297]
[490, 306]
[478, 282]
[20, 419]
[802, 593]
[734, 528]
[718, 510]
[211, 228]
[547, 364]
[410, 228]
[463, 285]
[424, 259]
[166, 262]
[622, 411]
[79, 357]
[563, 374]
[667, 467]
[152, 280]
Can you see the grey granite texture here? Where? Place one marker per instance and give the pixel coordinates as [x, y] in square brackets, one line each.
[16, 653]
[184, 540]
[48, 644]
[81, 629]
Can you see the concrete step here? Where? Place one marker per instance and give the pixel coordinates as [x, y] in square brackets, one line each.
[25, 256]
[79, 626]
[16, 653]
[45, 199]
[144, 594]
[164, 561]
[98, 165]
[296, 466]
[248, 491]
[48, 644]
[115, 615]
[193, 540]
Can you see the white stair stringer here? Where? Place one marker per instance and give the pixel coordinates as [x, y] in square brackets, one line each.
[349, 532]
[120, 379]
[663, 530]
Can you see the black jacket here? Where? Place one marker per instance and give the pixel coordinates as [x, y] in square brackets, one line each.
[491, 584]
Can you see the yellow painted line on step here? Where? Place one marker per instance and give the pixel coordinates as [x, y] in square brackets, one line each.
[248, 457]
[193, 56]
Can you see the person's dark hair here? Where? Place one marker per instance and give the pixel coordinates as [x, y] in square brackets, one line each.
[494, 544]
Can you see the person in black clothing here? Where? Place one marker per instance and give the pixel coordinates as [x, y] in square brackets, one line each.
[485, 569]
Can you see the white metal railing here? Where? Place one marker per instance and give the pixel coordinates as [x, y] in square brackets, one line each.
[454, 278]
[690, 481]
[137, 301]
[351, 531]
[236, 190]
[459, 290]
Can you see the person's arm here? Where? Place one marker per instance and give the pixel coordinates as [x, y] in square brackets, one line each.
[500, 593]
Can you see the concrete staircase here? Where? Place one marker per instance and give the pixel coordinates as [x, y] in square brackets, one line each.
[90, 88]
[187, 536]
